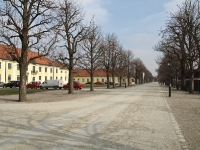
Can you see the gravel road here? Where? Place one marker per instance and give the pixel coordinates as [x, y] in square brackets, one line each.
[134, 118]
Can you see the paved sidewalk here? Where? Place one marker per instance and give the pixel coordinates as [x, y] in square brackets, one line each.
[186, 109]
[133, 118]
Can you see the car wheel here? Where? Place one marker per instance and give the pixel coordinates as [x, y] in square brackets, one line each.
[41, 87]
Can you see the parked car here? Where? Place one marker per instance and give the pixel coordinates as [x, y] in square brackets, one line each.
[33, 84]
[99, 83]
[12, 84]
[111, 83]
[88, 83]
[77, 85]
[1, 84]
[52, 84]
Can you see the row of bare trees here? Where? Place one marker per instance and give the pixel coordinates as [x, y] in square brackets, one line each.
[181, 45]
[58, 30]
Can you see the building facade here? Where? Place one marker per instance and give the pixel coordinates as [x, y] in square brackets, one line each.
[40, 69]
[83, 77]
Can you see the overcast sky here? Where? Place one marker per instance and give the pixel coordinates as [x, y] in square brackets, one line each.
[135, 22]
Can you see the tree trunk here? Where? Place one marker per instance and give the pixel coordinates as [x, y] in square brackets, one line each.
[91, 83]
[128, 80]
[191, 89]
[183, 78]
[108, 82]
[22, 88]
[71, 86]
[113, 80]
[23, 67]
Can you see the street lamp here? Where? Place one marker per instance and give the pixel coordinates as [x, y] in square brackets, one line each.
[169, 65]
[143, 74]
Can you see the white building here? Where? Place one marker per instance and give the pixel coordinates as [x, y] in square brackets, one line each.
[40, 70]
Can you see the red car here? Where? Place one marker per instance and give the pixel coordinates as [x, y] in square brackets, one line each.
[33, 84]
[77, 85]
[99, 83]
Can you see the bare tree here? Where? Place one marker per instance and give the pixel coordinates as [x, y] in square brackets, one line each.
[71, 33]
[106, 57]
[114, 49]
[121, 66]
[28, 25]
[181, 38]
[138, 69]
[92, 51]
[129, 58]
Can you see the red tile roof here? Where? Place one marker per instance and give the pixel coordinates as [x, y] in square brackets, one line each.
[42, 60]
[84, 73]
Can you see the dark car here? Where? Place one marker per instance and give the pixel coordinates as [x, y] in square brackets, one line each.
[1, 84]
[99, 83]
[77, 85]
[12, 84]
[34, 85]
[88, 83]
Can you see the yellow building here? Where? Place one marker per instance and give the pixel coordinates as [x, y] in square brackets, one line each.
[40, 69]
[83, 76]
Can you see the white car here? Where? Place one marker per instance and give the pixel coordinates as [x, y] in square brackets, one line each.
[52, 84]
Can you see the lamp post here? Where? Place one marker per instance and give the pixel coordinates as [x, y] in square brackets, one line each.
[169, 65]
[143, 74]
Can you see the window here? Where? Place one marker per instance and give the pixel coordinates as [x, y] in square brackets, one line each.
[17, 66]
[102, 80]
[83, 80]
[45, 78]
[88, 80]
[51, 70]
[9, 66]
[33, 79]
[18, 77]
[56, 70]
[61, 78]
[9, 78]
[45, 69]
[40, 69]
[40, 78]
[0, 65]
[61, 71]
[33, 68]
[97, 80]
[56, 77]
[51, 78]
[65, 78]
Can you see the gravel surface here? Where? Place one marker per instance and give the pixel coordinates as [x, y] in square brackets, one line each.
[136, 118]
[186, 109]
